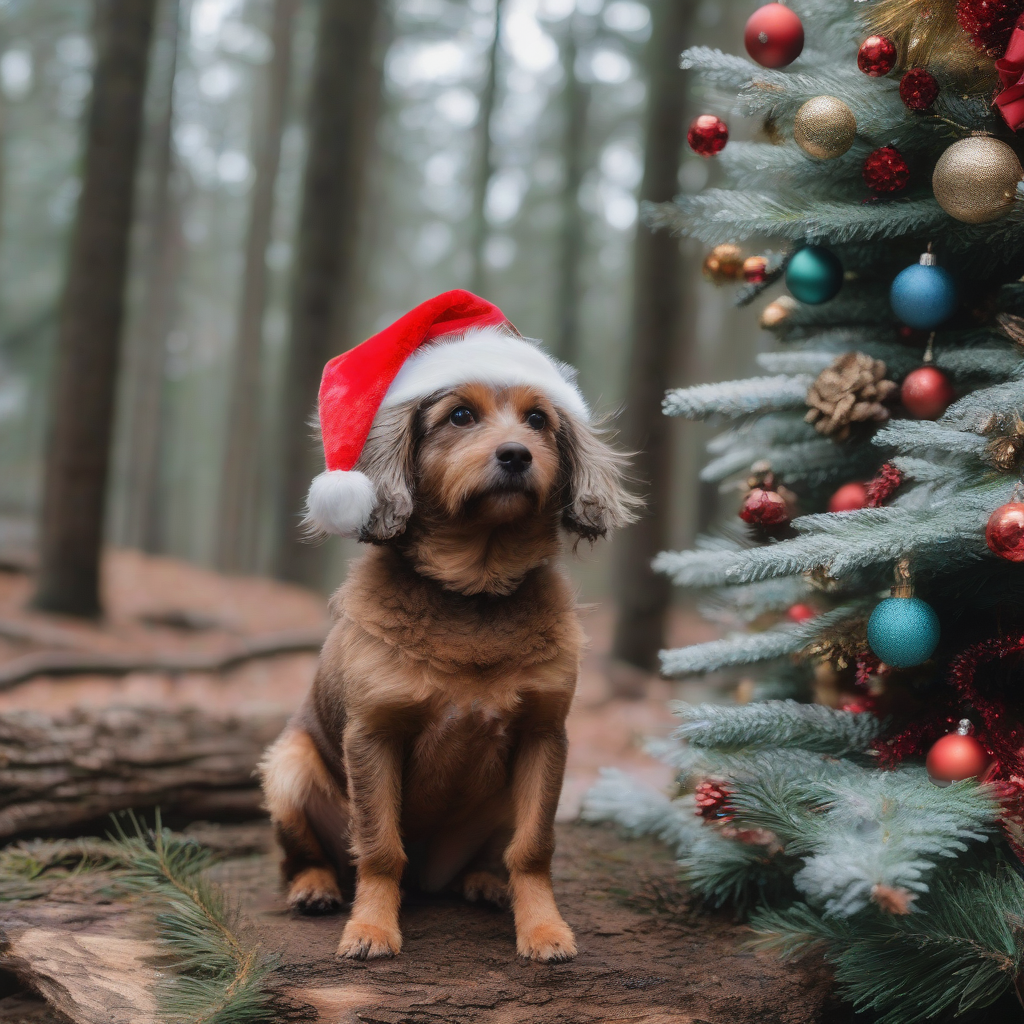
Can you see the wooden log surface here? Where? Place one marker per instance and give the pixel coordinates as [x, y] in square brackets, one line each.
[58, 771]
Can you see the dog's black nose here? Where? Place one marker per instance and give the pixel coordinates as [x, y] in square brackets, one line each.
[514, 458]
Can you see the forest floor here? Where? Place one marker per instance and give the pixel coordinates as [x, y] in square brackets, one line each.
[645, 954]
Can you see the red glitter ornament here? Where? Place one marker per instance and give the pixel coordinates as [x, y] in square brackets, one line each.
[707, 135]
[849, 497]
[1004, 532]
[774, 36]
[712, 800]
[765, 508]
[918, 89]
[800, 613]
[882, 486]
[926, 393]
[755, 270]
[885, 170]
[989, 23]
[957, 756]
[876, 56]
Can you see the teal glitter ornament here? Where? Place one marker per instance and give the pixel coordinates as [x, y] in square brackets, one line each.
[923, 295]
[903, 631]
[814, 275]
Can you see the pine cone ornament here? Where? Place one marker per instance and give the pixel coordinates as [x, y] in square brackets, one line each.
[712, 800]
[1006, 450]
[852, 390]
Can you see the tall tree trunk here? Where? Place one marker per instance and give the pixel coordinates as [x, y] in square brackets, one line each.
[576, 102]
[642, 597]
[345, 82]
[485, 159]
[147, 355]
[237, 516]
[92, 314]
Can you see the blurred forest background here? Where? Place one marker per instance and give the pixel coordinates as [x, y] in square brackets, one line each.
[307, 170]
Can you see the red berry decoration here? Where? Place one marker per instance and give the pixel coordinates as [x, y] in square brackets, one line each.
[800, 613]
[876, 56]
[711, 800]
[849, 498]
[1004, 533]
[957, 756]
[765, 508]
[755, 270]
[918, 89]
[885, 170]
[926, 393]
[707, 135]
[774, 36]
[989, 23]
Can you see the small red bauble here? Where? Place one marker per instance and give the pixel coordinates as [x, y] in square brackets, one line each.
[707, 135]
[774, 36]
[918, 89]
[755, 269]
[849, 498]
[800, 613]
[989, 23]
[876, 56]
[926, 393]
[957, 756]
[1004, 532]
[885, 170]
[764, 508]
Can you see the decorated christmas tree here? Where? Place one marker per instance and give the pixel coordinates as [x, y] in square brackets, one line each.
[865, 797]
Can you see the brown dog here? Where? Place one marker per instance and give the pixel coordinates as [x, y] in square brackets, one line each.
[432, 745]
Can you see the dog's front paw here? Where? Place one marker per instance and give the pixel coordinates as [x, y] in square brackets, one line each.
[314, 891]
[551, 941]
[362, 941]
[484, 886]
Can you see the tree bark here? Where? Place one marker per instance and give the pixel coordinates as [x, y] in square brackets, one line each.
[92, 314]
[60, 772]
[643, 596]
[237, 516]
[485, 159]
[146, 357]
[345, 82]
[576, 103]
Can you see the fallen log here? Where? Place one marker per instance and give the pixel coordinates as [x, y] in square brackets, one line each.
[59, 772]
[109, 663]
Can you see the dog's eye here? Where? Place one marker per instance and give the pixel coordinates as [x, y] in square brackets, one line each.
[537, 420]
[461, 417]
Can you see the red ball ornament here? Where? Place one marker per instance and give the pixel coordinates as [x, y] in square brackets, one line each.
[774, 36]
[764, 508]
[989, 23]
[1004, 532]
[876, 56]
[755, 270]
[707, 135]
[957, 756]
[926, 393]
[918, 89]
[800, 613]
[849, 498]
[885, 170]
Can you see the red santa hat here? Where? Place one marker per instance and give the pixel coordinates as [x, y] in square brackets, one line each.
[454, 338]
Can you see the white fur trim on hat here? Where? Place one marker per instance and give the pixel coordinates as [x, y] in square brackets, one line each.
[486, 355]
[340, 502]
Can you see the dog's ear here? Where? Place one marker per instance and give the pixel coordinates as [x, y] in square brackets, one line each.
[595, 499]
[388, 459]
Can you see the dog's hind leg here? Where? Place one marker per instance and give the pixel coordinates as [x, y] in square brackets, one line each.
[310, 817]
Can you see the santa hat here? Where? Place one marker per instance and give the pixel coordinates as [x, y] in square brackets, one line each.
[454, 338]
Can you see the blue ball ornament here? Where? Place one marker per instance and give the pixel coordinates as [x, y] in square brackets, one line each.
[923, 296]
[814, 275]
[903, 631]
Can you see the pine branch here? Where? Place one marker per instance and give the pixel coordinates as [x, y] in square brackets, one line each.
[738, 398]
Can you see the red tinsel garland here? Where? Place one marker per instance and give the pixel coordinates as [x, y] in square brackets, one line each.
[884, 484]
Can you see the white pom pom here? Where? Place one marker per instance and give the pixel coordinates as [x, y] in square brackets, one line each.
[340, 502]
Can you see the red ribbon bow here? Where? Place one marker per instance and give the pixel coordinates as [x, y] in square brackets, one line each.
[1010, 66]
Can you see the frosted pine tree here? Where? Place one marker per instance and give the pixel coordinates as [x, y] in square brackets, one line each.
[877, 557]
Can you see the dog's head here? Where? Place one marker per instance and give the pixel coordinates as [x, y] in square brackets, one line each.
[487, 455]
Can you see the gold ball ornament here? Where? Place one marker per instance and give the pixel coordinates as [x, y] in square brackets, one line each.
[776, 313]
[975, 180]
[824, 127]
[724, 264]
